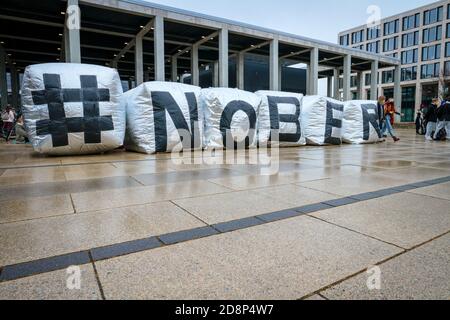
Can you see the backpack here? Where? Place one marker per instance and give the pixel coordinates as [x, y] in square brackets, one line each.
[5, 116]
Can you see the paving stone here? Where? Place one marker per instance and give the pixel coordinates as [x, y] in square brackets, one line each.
[283, 260]
[52, 286]
[420, 274]
[403, 219]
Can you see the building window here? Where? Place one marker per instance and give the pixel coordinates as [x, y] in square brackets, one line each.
[373, 47]
[448, 30]
[448, 11]
[373, 33]
[344, 40]
[432, 16]
[430, 71]
[390, 44]
[410, 56]
[411, 22]
[447, 68]
[447, 49]
[409, 74]
[431, 52]
[391, 27]
[357, 37]
[432, 34]
[410, 39]
[368, 79]
[387, 76]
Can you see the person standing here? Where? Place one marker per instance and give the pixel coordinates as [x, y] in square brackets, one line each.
[443, 117]
[8, 118]
[380, 110]
[431, 119]
[389, 115]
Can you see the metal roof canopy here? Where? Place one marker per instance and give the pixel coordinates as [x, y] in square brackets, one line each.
[32, 33]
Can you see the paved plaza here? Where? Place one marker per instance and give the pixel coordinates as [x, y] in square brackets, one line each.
[144, 227]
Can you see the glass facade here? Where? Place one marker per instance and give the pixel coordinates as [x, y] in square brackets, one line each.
[409, 74]
[410, 56]
[373, 47]
[411, 22]
[357, 37]
[430, 71]
[408, 104]
[432, 34]
[344, 40]
[410, 39]
[373, 33]
[391, 27]
[432, 16]
[431, 52]
[387, 76]
[390, 44]
[421, 39]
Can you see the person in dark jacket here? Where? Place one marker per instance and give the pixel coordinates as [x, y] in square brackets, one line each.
[380, 110]
[431, 119]
[443, 116]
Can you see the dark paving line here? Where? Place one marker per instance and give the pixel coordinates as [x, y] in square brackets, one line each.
[26, 269]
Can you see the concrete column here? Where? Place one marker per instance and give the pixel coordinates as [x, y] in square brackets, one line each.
[308, 77]
[274, 65]
[330, 87]
[240, 70]
[347, 77]
[314, 72]
[66, 45]
[216, 74]
[72, 29]
[280, 75]
[159, 48]
[174, 69]
[223, 58]
[374, 81]
[195, 72]
[15, 88]
[138, 61]
[360, 85]
[418, 95]
[336, 93]
[398, 88]
[3, 80]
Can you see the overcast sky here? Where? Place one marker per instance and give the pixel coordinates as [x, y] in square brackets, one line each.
[319, 19]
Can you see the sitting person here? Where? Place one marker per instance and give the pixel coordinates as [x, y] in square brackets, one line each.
[21, 133]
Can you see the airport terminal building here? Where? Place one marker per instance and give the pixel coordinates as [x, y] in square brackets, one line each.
[420, 38]
[146, 42]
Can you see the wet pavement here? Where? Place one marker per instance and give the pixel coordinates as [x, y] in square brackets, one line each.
[148, 227]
